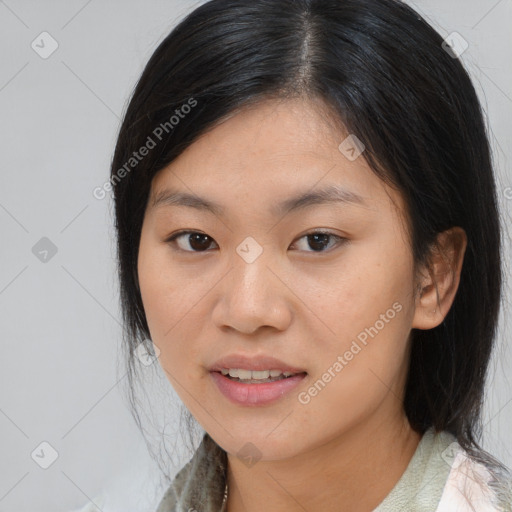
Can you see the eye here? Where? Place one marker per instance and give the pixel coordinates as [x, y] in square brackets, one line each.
[195, 241]
[319, 240]
[198, 241]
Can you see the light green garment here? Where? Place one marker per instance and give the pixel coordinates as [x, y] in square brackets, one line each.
[421, 485]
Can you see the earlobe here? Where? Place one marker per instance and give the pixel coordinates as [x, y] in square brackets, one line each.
[439, 283]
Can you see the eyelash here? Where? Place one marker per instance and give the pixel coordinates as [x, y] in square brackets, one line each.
[339, 240]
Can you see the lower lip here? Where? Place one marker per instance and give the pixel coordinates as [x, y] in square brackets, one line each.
[263, 393]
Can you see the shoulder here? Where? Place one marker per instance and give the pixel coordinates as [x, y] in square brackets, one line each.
[475, 483]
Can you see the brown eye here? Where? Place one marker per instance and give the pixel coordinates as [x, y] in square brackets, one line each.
[318, 241]
[198, 242]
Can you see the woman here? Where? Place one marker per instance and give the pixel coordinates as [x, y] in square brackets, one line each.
[308, 233]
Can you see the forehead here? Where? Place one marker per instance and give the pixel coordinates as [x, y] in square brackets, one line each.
[272, 130]
[267, 153]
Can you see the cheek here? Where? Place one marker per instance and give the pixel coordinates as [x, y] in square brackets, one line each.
[171, 305]
[369, 315]
[364, 290]
[165, 295]
[359, 367]
[158, 292]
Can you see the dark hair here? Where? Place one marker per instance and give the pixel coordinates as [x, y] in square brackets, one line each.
[384, 74]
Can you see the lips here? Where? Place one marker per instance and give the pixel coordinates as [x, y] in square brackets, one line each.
[256, 362]
[255, 394]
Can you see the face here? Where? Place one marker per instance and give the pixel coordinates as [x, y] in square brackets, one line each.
[325, 286]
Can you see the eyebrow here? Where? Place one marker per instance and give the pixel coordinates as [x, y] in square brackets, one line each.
[329, 194]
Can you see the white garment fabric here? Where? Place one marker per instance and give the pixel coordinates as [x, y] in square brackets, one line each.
[468, 488]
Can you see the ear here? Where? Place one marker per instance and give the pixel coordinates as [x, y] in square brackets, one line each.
[439, 279]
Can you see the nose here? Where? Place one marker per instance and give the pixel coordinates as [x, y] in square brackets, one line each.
[252, 296]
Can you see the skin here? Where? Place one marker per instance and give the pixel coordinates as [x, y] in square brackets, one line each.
[301, 302]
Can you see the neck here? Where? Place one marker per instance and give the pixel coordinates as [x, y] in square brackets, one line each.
[352, 472]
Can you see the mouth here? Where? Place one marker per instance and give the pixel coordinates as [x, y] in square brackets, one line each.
[255, 379]
[255, 391]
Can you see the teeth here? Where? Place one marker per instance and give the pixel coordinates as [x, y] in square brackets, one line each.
[253, 375]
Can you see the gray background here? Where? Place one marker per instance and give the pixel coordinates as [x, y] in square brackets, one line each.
[61, 372]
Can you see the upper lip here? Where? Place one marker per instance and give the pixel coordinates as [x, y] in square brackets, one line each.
[255, 362]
